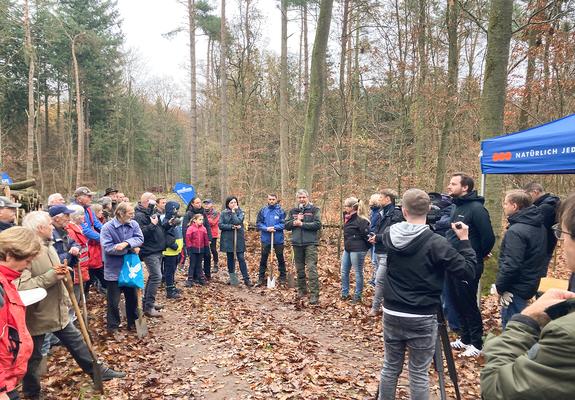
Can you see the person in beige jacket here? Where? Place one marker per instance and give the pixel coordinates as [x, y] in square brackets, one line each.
[51, 314]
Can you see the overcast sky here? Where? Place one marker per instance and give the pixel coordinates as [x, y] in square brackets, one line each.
[145, 21]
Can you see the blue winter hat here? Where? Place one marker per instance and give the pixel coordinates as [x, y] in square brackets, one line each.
[172, 208]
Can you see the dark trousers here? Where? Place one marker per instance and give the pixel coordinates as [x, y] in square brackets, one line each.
[266, 250]
[214, 250]
[113, 311]
[305, 257]
[170, 264]
[74, 342]
[95, 275]
[241, 261]
[195, 273]
[465, 295]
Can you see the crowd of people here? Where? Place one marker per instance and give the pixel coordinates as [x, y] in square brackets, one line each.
[428, 255]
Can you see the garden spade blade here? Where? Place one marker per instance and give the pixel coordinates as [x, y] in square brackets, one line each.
[141, 325]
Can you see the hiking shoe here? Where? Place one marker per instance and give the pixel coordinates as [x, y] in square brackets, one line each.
[248, 284]
[458, 344]
[260, 283]
[189, 284]
[173, 295]
[152, 313]
[158, 307]
[375, 313]
[313, 300]
[108, 374]
[471, 351]
[356, 299]
[345, 297]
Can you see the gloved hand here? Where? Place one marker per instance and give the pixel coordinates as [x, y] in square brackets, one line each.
[506, 299]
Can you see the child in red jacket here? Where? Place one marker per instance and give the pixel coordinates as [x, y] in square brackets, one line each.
[197, 243]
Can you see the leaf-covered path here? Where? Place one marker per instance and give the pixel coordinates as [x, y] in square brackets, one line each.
[221, 342]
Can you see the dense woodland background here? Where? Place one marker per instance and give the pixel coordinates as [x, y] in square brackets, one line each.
[411, 86]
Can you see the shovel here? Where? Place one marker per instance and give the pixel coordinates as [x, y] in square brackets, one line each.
[271, 279]
[96, 364]
[82, 294]
[141, 325]
[290, 279]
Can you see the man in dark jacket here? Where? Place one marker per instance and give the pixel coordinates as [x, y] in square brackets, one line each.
[469, 209]
[305, 223]
[7, 213]
[548, 205]
[416, 265]
[270, 221]
[522, 250]
[389, 215]
[151, 251]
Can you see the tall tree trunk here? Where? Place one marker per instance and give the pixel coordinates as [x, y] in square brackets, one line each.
[193, 108]
[317, 84]
[493, 96]
[452, 73]
[419, 108]
[533, 42]
[305, 53]
[224, 134]
[31, 108]
[80, 118]
[284, 128]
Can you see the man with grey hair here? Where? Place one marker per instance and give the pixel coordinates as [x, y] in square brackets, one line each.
[55, 199]
[151, 251]
[305, 223]
[417, 261]
[51, 314]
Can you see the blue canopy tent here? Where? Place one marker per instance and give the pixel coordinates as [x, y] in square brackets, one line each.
[544, 149]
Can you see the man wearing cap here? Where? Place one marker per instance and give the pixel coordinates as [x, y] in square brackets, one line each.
[112, 193]
[7, 213]
[66, 248]
[91, 229]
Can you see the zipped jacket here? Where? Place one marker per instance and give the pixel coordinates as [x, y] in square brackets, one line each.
[273, 216]
[308, 233]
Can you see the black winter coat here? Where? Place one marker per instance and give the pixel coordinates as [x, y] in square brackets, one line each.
[227, 220]
[355, 232]
[154, 235]
[391, 215]
[548, 205]
[415, 273]
[522, 252]
[469, 209]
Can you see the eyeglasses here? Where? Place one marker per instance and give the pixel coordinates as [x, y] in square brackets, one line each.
[558, 232]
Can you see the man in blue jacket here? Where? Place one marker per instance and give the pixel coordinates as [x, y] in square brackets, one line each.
[271, 219]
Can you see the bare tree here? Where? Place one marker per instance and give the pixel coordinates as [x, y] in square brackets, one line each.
[284, 128]
[79, 116]
[31, 108]
[193, 108]
[224, 134]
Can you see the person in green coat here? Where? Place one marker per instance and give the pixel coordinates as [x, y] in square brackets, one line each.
[533, 358]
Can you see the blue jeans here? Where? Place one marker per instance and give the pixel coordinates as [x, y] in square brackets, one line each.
[381, 269]
[418, 334]
[154, 265]
[349, 259]
[515, 307]
[449, 309]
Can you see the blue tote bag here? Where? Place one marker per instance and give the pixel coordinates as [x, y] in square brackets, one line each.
[132, 274]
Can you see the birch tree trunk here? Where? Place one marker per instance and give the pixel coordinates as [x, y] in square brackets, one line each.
[284, 128]
[31, 108]
[224, 135]
[193, 107]
[315, 99]
[493, 96]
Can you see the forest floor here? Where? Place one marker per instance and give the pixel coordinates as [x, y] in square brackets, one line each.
[222, 342]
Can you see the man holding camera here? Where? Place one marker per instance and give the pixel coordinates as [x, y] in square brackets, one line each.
[470, 211]
[305, 223]
[151, 251]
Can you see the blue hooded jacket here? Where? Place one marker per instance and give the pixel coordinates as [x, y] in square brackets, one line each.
[271, 216]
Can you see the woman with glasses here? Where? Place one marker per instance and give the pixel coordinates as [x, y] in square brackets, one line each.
[548, 370]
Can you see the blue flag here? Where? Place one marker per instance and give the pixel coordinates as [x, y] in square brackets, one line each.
[185, 191]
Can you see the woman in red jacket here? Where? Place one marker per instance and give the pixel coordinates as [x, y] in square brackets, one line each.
[18, 246]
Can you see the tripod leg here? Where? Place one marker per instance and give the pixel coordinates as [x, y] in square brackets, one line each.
[438, 363]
